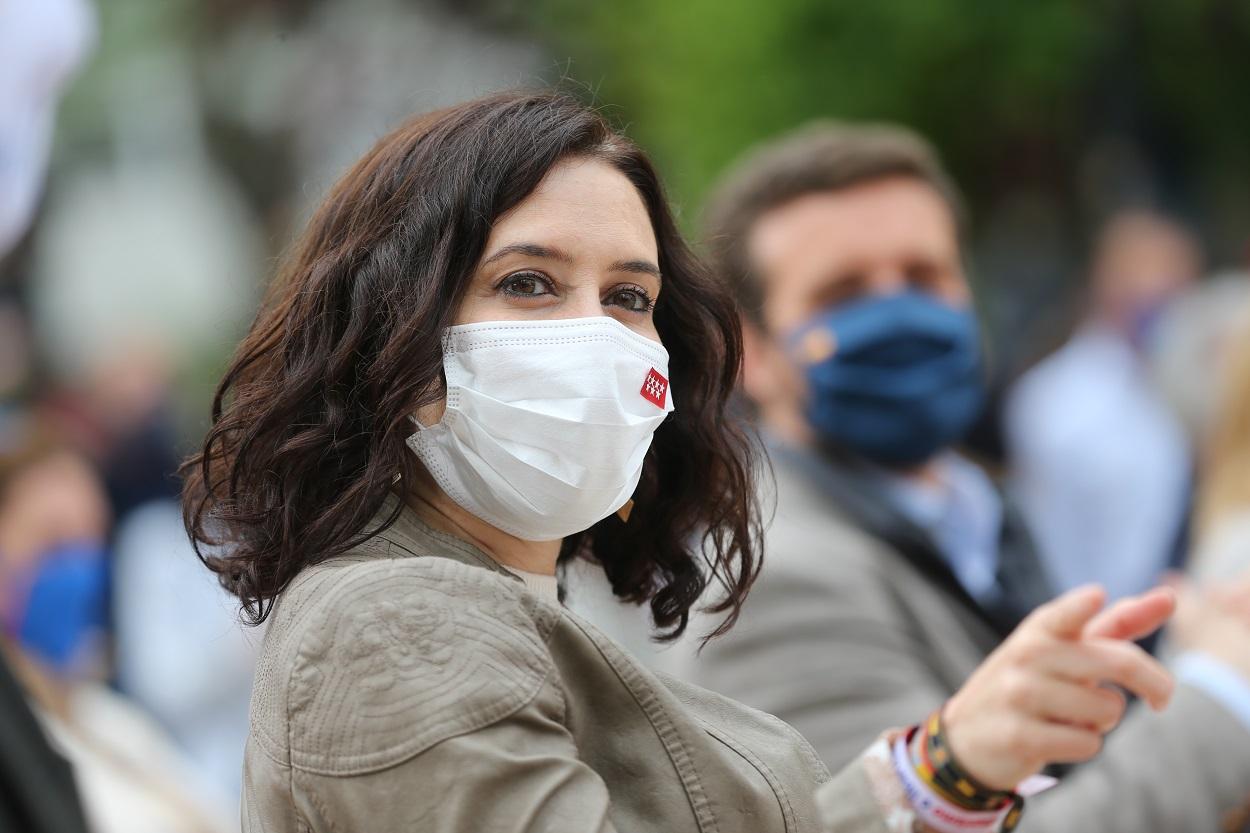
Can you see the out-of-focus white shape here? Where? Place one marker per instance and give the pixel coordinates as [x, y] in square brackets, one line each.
[42, 42]
[158, 247]
[1223, 553]
[130, 777]
[181, 649]
[1194, 345]
[157, 256]
[1101, 466]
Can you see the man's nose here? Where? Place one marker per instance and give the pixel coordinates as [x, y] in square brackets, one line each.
[887, 281]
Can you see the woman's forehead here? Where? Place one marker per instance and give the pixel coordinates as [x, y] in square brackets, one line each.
[581, 204]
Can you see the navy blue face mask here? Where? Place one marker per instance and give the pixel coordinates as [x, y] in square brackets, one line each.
[893, 378]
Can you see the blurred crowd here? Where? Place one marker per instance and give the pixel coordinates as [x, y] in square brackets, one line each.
[1122, 445]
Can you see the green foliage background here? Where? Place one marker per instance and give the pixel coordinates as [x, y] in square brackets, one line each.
[1012, 92]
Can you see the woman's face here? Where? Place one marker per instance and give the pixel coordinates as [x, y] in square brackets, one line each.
[581, 245]
[55, 501]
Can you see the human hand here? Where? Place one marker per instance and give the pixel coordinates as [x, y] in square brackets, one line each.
[1041, 697]
[1214, 621]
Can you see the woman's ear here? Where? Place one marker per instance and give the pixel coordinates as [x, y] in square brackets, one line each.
[429, 415]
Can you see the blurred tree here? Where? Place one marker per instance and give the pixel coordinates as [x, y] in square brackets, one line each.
[1015, 94]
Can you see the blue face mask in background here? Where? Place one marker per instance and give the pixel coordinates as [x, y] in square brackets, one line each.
[63, 619]
[902, 378]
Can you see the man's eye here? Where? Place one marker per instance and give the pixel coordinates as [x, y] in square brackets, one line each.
[632, 298]
[922, 275]
[526, 285]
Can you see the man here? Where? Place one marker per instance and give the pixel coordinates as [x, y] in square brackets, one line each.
[1101, 464]
[892, 567]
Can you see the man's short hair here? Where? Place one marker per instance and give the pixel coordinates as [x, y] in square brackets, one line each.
[821, 156]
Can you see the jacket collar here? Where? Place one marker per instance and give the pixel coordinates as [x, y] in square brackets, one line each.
[854, 493]
[418, 539]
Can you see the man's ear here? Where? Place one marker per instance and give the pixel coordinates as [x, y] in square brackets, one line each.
[764, 366]
[774, 383]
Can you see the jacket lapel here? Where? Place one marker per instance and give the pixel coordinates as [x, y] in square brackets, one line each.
[852, 492]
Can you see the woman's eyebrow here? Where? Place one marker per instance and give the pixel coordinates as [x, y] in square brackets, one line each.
[642, 267]
[530, 250]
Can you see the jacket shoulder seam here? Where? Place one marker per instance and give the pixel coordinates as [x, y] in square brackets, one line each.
[407, 658]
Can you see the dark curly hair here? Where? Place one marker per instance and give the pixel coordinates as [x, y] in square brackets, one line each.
[309, 421]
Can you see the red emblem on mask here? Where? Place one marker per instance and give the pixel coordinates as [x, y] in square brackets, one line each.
[655, 388]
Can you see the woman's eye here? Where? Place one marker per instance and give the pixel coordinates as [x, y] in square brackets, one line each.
[526, 285]
[632, 298]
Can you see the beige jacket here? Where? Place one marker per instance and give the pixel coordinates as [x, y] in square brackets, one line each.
[855, 638]
[412, 684]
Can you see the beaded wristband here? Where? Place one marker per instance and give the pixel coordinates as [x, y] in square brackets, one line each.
[937, 812]
[937, 766]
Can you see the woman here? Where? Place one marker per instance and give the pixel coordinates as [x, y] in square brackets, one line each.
[463, 376]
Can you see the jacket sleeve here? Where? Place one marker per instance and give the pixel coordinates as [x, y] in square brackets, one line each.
[522, 775]
[841, 663]
[411, 708]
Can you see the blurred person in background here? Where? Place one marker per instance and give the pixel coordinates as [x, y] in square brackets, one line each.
[180, 651]
[54, 520]
[38, 791]
[145, 262]
[894, 567]
[1199, 337]
[1222, 529]
[1202, 367]
[460, 377]
[117, 414]
[1100, 464]
[41, 44]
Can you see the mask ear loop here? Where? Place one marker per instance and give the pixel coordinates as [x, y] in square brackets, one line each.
[624, 512]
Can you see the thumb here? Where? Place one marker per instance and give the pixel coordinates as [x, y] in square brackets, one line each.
[1066, 616]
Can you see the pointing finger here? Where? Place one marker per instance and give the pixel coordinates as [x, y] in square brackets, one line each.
[1134, 617]
[1067, 616]
[1097, 661]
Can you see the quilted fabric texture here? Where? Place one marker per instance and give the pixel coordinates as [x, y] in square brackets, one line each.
[413, 683]
[396, 655]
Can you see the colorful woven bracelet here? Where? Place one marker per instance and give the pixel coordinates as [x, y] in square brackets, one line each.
[937, 765]
[935, 811]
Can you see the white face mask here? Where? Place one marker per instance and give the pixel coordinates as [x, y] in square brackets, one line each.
[547, 422]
